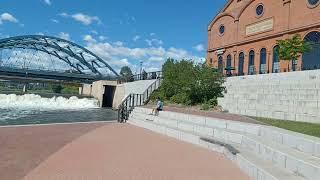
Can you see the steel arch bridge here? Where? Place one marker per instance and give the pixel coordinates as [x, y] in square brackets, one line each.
[51, 55]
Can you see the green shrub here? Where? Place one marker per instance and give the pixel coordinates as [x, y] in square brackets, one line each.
[57, 89]
[205, 107]
[189, 84]
[213, 103]
[70, 90]
[181, 98]
[156, 94]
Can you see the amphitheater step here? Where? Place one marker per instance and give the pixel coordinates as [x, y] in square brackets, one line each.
[279, 154]
[247, 161]
[296, 141]
[284, 149]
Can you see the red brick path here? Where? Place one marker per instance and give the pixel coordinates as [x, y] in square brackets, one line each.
[125, 152]
[24, 148]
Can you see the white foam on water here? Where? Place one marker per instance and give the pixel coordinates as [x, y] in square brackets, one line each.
[36, 102]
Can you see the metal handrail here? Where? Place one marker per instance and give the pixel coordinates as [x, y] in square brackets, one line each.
[143, 76]
[136, 100]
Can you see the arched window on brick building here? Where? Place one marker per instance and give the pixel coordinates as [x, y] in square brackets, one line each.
[229, 65]
[310, 60]
[211, 61]
[241, 64]
[263, 61]
[252, 69]
[220, 64]
[276, 60]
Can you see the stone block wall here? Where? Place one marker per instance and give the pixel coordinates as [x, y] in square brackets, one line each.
[288, 96]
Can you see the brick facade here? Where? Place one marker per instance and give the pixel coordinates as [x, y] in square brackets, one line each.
[245, 31]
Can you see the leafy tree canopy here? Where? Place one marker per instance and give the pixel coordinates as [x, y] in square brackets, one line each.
[190, 84]
[291, 49]
[126, 73]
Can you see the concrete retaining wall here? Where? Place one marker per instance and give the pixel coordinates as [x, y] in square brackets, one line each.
[122, 90]
[288, 96]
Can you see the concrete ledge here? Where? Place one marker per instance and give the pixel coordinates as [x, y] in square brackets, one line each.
[280, 147]
[297, 141]
[255, 169]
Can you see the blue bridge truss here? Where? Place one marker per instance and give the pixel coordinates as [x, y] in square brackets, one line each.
[46, 57]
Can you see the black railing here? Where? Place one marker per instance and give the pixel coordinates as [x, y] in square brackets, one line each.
[147, 76]
[143, 76]
[136, 100]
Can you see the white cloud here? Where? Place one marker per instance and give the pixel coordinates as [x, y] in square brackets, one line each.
[48, 2]
[152, 34]
[54, 20]
[136, 38]
[154, 42]
[121, 62]
[85, 19]
[94, 32]
[64, 14]
[118, 43]
[64, 35]
[117, 55]
[102, 38]
[199, 47]
[82, 18]
[8, 17]
[156, 59]
[89, 38]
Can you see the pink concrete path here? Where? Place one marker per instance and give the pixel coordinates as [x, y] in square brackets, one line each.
[125, 152]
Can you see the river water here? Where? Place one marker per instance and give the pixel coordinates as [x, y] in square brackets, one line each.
[34, 109]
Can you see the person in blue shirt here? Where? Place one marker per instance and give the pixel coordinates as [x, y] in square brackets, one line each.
[158, 108]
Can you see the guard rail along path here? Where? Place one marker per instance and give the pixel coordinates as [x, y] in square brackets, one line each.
[263, 152]
[135, 100]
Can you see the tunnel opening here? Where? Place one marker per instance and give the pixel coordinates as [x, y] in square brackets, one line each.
[108, 96]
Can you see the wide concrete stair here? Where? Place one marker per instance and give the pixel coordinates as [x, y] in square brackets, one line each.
[289, 96]
[263, 152]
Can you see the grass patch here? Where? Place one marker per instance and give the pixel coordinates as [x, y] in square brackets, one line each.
[300, 127]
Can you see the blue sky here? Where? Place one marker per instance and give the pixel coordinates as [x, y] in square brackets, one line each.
[123, 32]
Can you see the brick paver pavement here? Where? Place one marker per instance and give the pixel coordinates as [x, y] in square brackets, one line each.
[125, 152]
[22, 148]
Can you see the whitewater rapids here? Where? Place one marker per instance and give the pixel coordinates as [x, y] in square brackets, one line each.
[36, 102]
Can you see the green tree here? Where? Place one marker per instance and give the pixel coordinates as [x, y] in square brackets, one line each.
[189, 84]
[57, 88]
[292, 48]
[126, 73]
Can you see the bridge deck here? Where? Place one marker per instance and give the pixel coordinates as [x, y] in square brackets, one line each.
[40, 75]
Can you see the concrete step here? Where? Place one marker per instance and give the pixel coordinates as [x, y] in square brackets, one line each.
[261, 169]
[297, 141]
[280, 154]
[201, 121]
[247, 161]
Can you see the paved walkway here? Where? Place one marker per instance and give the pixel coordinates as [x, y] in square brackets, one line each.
[125, 152]
[213, 114]
[24, 148]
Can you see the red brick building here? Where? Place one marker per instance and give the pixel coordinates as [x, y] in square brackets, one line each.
[243, 36]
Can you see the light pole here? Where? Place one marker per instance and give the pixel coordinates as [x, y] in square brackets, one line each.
[141, 62]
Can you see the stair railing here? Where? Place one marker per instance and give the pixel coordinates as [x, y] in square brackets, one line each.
[136, 100]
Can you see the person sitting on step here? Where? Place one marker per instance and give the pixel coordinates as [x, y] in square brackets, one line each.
[158, 108]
